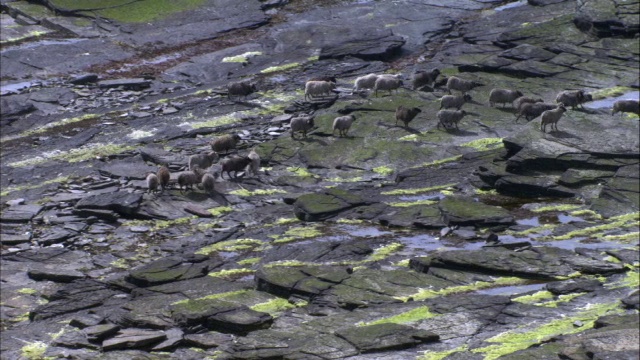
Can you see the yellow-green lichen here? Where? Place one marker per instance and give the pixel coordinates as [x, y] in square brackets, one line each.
[62, 122]
[241, 58]
[249, 261]
[424, 294]
[288, 263]
[245, 192]
[345, 180]
[417, 190]
[216, 121]
[632, 237]
[302, 172]
[586, 213]
[285, 221]
[10, 189]
[630, 280]
[27, 291]
[383, 252]
[534, 298]
[34, 350]
[219, 210]
[76, 155]
[610, 92]
[557, 207]
[273, 307]
[230, 246]
[484, 144]
[213, 296]
[297, 233]
[284, 67]
[613, 223]
[120, 263]
[350, 221]
[512, 341]
[383, 170]
[407, 317]
[412, 203]
[156, 225]
[403, 263]
[231, 273]
[440, 161]
[486, 192]
[439, 355]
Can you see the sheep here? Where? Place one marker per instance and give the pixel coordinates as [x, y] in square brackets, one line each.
[406, 115]
[152, 182]
[422, 78]
[189, 178]
[524, 100]
[503, 96]
[552, 117]
[454, 101]
[235, 164]
[324, 78]
[318, 88]
[622, 106]
[573, 98]
[365, 82]
[208, 182]
[240, 89]
[255, 162]
[386, 83]
[343, 124]
[301, 123]
[203, 160]
[164, 176]
[448, 117]
[456, 83]
[224, 143]
[533, 110]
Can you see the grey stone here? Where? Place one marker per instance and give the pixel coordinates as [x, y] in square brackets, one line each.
[390, 336]
[133, 339]
[121, 202]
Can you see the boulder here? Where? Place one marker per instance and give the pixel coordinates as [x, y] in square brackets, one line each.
[324, 205]
[123, 203]
[465, 211]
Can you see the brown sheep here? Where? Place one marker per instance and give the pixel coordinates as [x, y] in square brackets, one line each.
[164, 175]
[225, 143]
[235, 164]
[406, 115]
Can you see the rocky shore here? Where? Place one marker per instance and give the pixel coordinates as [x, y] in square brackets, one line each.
[496, 240]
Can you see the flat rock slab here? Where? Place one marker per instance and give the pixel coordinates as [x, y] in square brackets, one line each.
[133, 339]
[538, 262]
[301, 281]
[133, 168]
[123, 203]
[240, 320]
[532, 186]
[55, 273]
[20, 213]
[167, 270]
[321, 206]
[133, 84]
[208, 340]
[387, 336]
[465, 212]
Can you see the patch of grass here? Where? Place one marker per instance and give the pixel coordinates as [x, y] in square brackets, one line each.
[628, 238]
[630, 280]
[613, 223]
[345, 180]
[610, 92]
[27, 291]
[484, 144]
[424, 294]
[230, 246]
[558, 207]
[284, 67]
[249, 261]
[231, 273]
[244, 192]
[55, 124]
[273, 307]
[417, 190]
[217, 121]
[383, 252]
[412, 203]
[511, 341]
[439, 355]
[241, 58]
[10, 189]
[383, 170]
[407, 317]
[302, 172]
[440, 161]
[297, 233]
[76, 155]
[34, 350]
[131, 12]
[219, 210]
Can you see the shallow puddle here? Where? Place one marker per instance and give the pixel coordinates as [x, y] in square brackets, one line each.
[512, 290]
[511, 5]
[363, 231]
[608, 102]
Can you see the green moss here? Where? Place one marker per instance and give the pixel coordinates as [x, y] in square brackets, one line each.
[403, 263]
[130, 12]
[439, 355]
[286, 221]
[628, 238]
[512, 341]
[217, 121]
[219, 210]
[423, 294]
[383, 252]
[10, 189]
[407, 317]
[231, 273]
[284, 67]
[484, 144]
[534, 298]
[273, 307]
[76, 155]
[412, 203]
[245, 192]
[230, 246]
[559, 207]
[529, 231]
[249, 261]
[297, 233]
[345, 180]
[486, 192]
[55, 124]
[242, 57]
[586, 213]
[302, 172]
[288, 263]
[416, 191]
[630, 280]
[350, 221]
[383, 170]
[120, 263]
[610, 92]
[34, 350]
[212, 297]
[27, 291]
[613, 223]
[441, 161]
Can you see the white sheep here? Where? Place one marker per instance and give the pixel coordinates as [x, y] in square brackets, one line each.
[552, 117]
[343, 124]
[503, 96]
[447, 118]
[365, 82]
[622, 106]
[456, 83]
[152, 182]
[203, 160]
[388, 82]
[573, 98]
[255, 162]
[318, 88]
[454, 101]
[301, 124]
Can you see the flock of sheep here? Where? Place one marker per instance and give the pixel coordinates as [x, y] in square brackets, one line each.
[204, 169]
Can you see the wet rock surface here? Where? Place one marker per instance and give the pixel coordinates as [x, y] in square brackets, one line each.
[493, 240]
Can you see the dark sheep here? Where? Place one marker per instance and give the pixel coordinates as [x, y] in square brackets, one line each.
[235, 164]
[189, 178]
[422, 78]
[406, 115]
[533, 110]
[164, 175]
[622, 106]
[517, 103]
[573, 98]
[503, 96]
[225, 143]
[208, 183]
[203, 160]
[152, 182]
[240, 89]
[301, 124]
